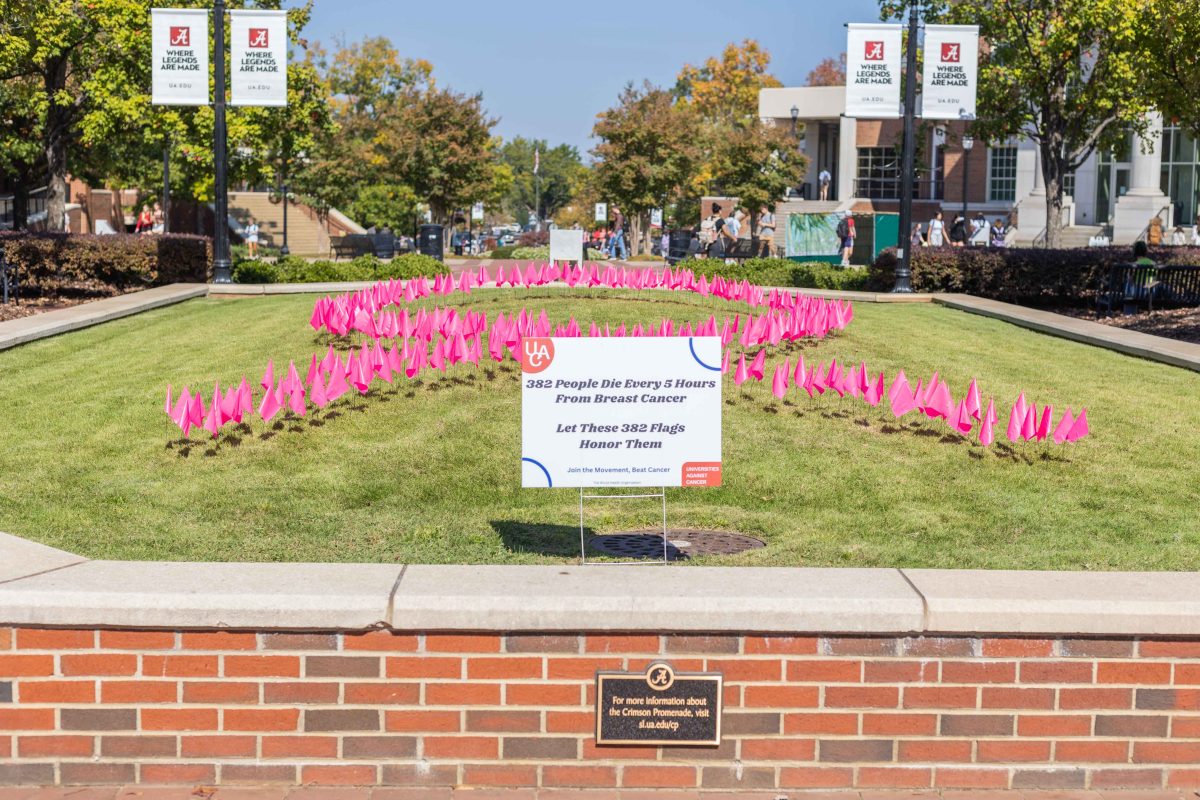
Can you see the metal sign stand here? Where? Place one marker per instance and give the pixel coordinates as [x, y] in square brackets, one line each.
[662, 493]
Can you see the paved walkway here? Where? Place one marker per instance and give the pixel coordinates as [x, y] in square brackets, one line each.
[397, 793]
[27, 329]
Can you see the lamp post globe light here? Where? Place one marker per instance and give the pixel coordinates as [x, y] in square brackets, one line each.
[968, 143]
[795, 116]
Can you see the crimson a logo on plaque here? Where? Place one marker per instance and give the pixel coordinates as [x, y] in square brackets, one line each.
[659, 707]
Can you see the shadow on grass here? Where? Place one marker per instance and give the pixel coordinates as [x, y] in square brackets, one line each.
[539, 537]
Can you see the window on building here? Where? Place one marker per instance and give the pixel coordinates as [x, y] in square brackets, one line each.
[1181, 173]
[1002, 174]
[878, 173]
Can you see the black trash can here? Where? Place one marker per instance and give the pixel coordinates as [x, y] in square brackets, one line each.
[677, 246]
[429, 242]
[385, 244]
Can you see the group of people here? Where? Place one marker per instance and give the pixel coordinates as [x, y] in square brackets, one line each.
[960, 233]
[151, 220]
[719, 234]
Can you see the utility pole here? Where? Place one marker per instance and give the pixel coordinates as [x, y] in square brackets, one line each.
[166, 194]
[221, 262]
[907, 178]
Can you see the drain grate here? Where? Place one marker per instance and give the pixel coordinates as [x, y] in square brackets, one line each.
[682, 544]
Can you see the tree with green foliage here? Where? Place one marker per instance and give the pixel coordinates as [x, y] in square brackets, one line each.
[1169, 47]
[647, 151]
[560, 168]
[756, 163]
[1064, 73]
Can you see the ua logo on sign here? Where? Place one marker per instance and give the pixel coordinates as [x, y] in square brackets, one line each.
[536, 354]
[873, 51]
[258, 37]
[181, 36]
[950, 52]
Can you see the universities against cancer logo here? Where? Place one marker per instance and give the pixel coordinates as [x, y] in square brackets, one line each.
[950, 52]
[181, 36]
[258, 38]
[536, 354]
[873, 51]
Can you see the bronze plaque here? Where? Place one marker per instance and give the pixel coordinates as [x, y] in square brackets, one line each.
[658, 707]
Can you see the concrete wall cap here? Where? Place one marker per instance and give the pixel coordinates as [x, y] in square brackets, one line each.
[208, 595]
[20, 558]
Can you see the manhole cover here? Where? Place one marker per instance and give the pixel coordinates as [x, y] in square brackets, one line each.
[681, 544]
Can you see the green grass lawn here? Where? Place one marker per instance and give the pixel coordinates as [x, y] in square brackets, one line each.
[430, 472]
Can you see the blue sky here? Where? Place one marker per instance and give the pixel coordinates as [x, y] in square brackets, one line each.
[546, 68]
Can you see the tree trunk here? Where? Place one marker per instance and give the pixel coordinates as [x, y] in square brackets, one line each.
[20, 206]
[1052, 172]
[754, 233]
[58, 132]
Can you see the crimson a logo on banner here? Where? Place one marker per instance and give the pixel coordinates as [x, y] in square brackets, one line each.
[950, 52]
[873, 51]
[258, 39]
[181, 36]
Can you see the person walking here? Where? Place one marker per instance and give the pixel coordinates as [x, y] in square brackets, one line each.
[847, 231]
[618, 236]
[915, 237]
[716, 247]
[937, 231]
[958, 231]
[766, 231]
[732, 231]
[824, 179]
[250, 234]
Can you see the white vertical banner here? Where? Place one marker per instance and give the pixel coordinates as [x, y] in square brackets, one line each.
[951, 71]
[258, 54]
[873, 59]
[179, 48]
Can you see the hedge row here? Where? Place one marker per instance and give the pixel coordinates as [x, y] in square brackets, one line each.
[53, 262]
[1018, 275]
[781, 272]
[364, 268]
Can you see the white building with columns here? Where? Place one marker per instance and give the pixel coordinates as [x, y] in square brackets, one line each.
[1115, 194]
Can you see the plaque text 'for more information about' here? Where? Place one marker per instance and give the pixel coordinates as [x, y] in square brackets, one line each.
[658, 707]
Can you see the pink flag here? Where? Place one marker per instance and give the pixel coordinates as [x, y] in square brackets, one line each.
[758, 366]
[337, 382]
[741, 373]
[317, 393]
[179, 413]
[801, 371]
[269, 406]
[1029, 424]
[296, 401]
[779, 380]
[1043, 428]
[268, 378]
[1080, 428]
[962, 418]
[874, 393]
[312, 370]
[972, 399]
[989, 420]
[899, 384]
[1016, 419]
[903, 400]
[1064, 427]
[725, 363]
[168, 405]
[196, 411]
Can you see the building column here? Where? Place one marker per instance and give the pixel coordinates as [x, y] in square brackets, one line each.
[1144, 199]
[847, 159]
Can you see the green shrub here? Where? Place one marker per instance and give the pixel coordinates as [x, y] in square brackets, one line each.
[51, 262]
[504, 252]
[410, 265]
[543, 254]
[781, 272]
[292, 269]
[1018, 275]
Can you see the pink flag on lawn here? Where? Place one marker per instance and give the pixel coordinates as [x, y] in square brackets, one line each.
[758, 366]
[169, 404]
[1043, 428]
[963, 422]
[296, 401]
[725, 363]
[1080, 428]
[312, 370]
[986, 436]
[972, 399]
[269, 406]
[1016, 419]
[903, 400]
[779, 380]
[1064, 427]
[337, 385]
[268, 378]
[317, 393]
[741, 373]
[1029, 424]
[179, 412]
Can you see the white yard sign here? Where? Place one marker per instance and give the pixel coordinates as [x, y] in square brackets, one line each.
[873, 56]
[618, 411]
[258, 56]
[951, 68]
[179, 48]
[566, 245]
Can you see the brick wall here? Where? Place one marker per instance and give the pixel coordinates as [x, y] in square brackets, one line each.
[117, 706]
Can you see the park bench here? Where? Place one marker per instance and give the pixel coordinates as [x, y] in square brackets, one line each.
[352, 245]
[743, 249]
[1129, 285]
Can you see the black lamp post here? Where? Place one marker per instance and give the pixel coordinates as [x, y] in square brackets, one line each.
[283, 251]
[166, 196]
[907, 178]
[221, 262]
[968, 142]
[795, 116]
